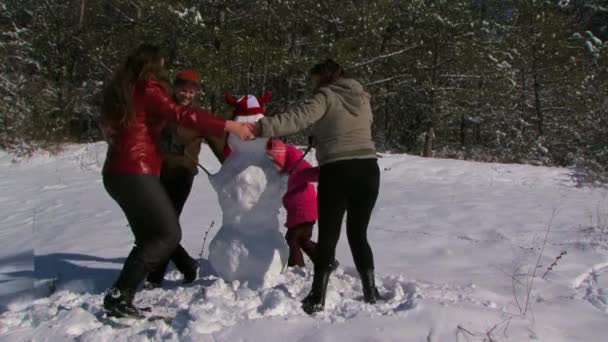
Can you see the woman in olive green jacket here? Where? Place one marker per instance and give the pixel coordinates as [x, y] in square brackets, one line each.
[340, 115]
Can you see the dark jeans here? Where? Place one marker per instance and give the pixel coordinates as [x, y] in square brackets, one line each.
[177, 182]
[153, 221]
[298, 239]
[351, 187]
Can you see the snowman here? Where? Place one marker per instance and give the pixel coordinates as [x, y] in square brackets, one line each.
[248, 246]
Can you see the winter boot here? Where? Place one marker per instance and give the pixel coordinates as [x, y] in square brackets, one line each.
[191, 274]
[315, 301]
[334, 266]
[119, 304]
[151, 285]
[156, 277]
[187, 265]
[370, 291]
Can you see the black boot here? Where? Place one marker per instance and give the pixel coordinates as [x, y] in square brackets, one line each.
[191, 271]
[151, 285]
[184, 263]
[334, 266]
[191, 275]
[156, 277]
[315, 301]
[370, 291]
[119, 304]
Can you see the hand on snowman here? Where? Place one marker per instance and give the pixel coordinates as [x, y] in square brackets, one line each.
[239, 129]
[254, 129]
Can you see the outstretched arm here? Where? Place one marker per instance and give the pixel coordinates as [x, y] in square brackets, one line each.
[293, 120]
[159, 104]
[217, 145]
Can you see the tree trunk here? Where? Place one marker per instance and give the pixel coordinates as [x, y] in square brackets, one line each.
[387, 114]
[463, 128]
[81, 17]
[522, 104]
[430, 133]
[138, 6]
[429, 136]
[267, 46]
[537, 103]
[250, 83]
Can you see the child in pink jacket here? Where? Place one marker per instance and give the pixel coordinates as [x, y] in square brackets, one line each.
[300, 200]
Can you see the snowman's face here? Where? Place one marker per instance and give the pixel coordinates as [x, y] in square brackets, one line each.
[248, 186]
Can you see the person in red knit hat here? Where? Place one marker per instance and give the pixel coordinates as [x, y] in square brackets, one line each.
[180, 149]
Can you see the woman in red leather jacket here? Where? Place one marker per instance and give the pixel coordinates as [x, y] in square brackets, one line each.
[135, 108]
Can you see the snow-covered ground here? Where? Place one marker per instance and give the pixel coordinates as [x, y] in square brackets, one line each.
[455, 247]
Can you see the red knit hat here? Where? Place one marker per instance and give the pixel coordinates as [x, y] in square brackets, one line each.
[277, 152]
[248, 104]
[188, 75]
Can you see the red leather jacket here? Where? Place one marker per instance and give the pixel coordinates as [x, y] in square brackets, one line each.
[136, 148]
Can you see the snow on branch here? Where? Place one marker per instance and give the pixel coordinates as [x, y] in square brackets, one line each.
[128, 18]
[598, 8]
[460, 76]
[388, 55]
[387, 79]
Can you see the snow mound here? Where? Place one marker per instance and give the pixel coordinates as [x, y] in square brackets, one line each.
[209, 306]
[461, 232]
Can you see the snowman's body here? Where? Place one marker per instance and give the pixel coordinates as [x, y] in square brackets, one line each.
[249, 246]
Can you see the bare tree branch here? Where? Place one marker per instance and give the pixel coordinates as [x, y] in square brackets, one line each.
[385, 56]
[387, 79]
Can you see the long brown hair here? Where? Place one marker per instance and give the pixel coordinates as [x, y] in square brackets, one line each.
[144, 63]
[328, 71]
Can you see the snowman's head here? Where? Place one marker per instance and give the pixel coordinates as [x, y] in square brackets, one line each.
[248, 108]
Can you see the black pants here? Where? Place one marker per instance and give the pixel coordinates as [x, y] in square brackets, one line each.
[153, 221]
[351, 187]
[177, 182]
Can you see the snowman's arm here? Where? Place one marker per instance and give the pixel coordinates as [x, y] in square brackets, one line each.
[218, 146]
[296, 119]
[160, 105]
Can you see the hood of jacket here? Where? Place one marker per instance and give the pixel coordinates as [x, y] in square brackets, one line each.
[350, 92]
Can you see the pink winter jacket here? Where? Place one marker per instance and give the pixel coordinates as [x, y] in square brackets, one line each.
[300, 200]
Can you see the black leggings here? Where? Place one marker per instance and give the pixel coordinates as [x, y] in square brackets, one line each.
[152, 219]
[177, 181]
[351, 187]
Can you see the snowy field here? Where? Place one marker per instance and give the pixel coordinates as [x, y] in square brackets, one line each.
[456, 246]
